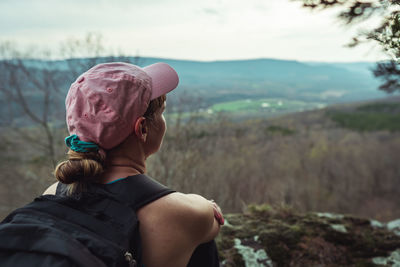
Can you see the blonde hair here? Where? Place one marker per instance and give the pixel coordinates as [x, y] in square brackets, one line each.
[82, 168]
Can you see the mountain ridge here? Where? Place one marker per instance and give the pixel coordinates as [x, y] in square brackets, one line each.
[225, 80]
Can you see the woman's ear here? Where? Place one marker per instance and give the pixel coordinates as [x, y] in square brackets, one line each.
[141, 128]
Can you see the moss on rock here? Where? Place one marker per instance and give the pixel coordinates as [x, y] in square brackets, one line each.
[313, 239]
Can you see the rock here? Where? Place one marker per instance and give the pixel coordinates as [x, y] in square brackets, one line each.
[394, 226]
[252, 253]
[339, 227]
[392, 260]
[264, 236]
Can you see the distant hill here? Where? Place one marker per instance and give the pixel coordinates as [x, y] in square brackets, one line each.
[222, 81]
[218, 81]
[364, 67]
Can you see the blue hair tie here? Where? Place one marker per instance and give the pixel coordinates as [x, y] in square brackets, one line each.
[77, 145]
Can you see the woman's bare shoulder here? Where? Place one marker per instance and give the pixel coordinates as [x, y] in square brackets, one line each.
[186, 205]
[51, 190]
[191, 213]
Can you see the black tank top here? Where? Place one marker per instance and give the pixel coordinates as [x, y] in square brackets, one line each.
[138, 191]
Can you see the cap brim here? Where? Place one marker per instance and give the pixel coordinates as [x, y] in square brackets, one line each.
[164, 79]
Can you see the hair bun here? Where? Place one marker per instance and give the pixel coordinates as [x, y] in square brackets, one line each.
[66, 172]
[80, 167]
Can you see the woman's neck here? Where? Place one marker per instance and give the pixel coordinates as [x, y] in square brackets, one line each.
[116, 172]
[125, 160]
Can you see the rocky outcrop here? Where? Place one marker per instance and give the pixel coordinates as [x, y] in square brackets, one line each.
[264, 236]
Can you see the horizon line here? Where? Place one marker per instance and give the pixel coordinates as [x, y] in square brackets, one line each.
[198, 60]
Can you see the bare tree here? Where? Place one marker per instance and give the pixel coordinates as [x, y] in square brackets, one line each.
[32, 90]
[33, 87]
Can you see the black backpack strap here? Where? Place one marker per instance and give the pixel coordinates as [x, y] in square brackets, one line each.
[135, 191]
[132, 192]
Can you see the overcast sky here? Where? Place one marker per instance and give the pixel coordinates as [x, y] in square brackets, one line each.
[187, 29]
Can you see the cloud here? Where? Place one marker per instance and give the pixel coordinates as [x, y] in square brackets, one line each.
[189, 29]
[211, 11]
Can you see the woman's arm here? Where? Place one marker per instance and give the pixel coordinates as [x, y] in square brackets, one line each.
[201, 217]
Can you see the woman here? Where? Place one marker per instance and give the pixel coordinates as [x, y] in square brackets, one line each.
[115, 118]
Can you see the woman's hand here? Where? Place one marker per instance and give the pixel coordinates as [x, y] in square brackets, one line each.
[217, 213]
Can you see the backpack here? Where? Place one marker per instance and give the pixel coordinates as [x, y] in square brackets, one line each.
[59, 231]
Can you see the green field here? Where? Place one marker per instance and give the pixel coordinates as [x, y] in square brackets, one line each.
[250, 108]
[262, 106]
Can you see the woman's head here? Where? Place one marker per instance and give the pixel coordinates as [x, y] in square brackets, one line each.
[86, 166]
[104, 102]
[104, 106]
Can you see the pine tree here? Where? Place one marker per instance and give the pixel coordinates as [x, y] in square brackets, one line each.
[387, 34]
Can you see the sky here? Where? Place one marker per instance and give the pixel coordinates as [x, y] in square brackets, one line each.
[204, 30]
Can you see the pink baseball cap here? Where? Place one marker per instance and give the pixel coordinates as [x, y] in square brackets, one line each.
[104, 102]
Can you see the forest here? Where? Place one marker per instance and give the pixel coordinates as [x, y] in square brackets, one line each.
[335, 159]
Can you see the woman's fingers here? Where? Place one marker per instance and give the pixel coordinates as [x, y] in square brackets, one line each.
[217, 213]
